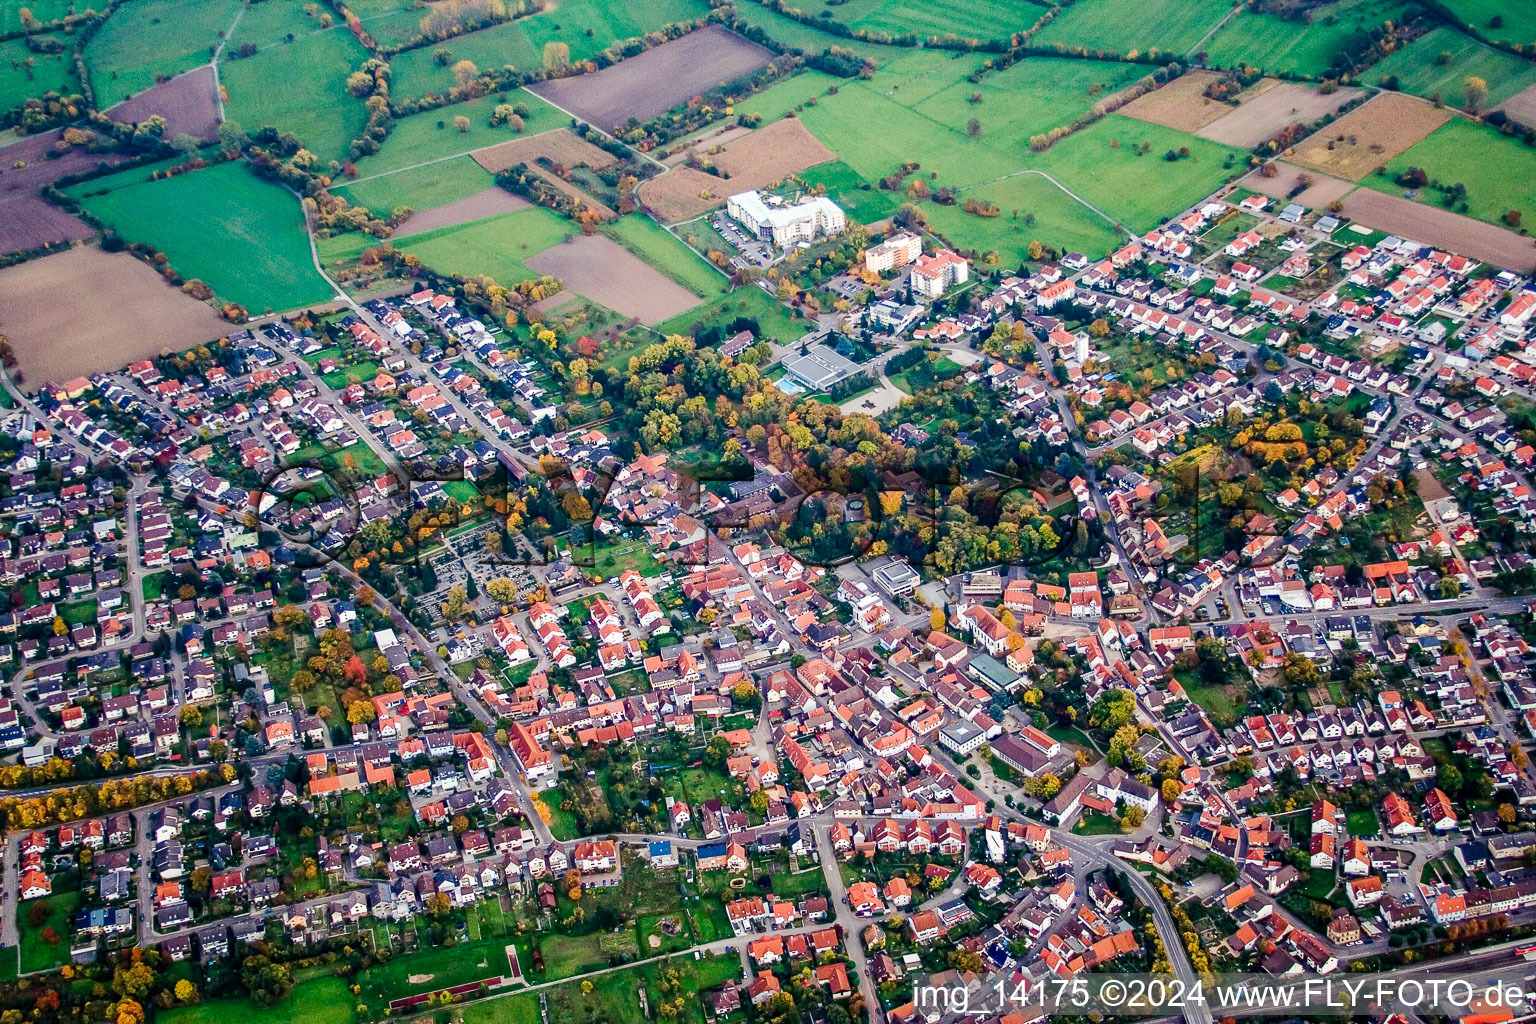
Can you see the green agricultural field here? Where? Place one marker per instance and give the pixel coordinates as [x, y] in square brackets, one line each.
[1058, 220]
[1274, 43]
[240, 234]
[1499, 173]
[1517, 21]
[19, 81]
[863, 202]
[421, 188]
[973, 19]
[1156, 24]
[118, 179]
[283, 86]
[432, 135]
[1439, 63]
[874, 134]
[146, 39]
[587, 26]
[1029, 98]
[790, 94]
[663, 250]
[318, 999]
[803, 37]
[495, 246]
[44, 12]
[275, 21]
[1141, 191]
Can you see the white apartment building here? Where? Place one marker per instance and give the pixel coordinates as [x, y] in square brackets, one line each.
[786, 224]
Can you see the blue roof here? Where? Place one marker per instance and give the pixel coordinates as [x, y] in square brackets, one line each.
[661, 847]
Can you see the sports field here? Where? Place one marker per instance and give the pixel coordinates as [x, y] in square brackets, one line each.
[496, 246]
[278, 87]
[18, 82]
[1438, 64]
[1153, 24]
[241, 235]
[145, 38]
[421, 188]
[1099, 163]
[1273, 43]
[586, 26]
[1499, 173]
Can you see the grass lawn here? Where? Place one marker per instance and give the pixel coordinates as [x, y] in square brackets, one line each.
[519, 1008]
[790, 94]
[566, 956]
[278, 86]
[1219, 700]
[1032, 209]
[420, 188]
[495, 246]
[665, 251]
[1362, 823]
[613, 559]
[1092, 823]
[1156, 24]
[695, 785]
[1098, 164]
[147, 39]
[432, 134]
[1499, 173]
[1273, 43]
[587, 26]
[441, 966]
[1422, 70]
[772, 317]
[561, 823]
[201, 220]
[50, 72]
[863, 202]
[318, 999]
[36, 953]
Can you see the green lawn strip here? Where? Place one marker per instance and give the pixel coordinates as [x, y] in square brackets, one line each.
[316, 999]
[37, 952]
[663, 250]
[495, 246]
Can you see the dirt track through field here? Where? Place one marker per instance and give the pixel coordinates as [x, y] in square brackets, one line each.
[128, 312]
[610, 275]
[657, 80]
[1442, 229]
[486, 203]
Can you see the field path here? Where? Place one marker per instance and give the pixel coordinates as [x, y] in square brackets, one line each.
[440, 159]
[213, 62]
[1030, 170]
[1231, 13]
[595, 128]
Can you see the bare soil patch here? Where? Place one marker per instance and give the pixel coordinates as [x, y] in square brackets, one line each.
[127, 313]
[486, 203]
[657, 80]
[1181, 104]
[717, 136]
[1442, 229]
[560, 146]
[29, 222]
[187, 102]
[1261, 118]
[608, 274]
[1522, 105]
[1370, 135]
[1319, 194]
[751, 161]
